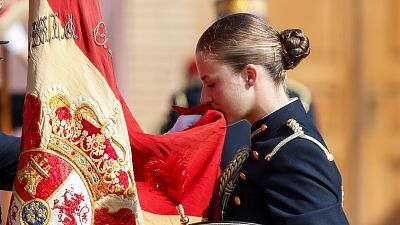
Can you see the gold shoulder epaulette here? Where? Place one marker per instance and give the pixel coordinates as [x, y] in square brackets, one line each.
[298, 133]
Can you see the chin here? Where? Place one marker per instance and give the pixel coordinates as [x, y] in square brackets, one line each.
[230, 121]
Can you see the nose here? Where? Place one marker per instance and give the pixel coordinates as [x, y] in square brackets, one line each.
[205, 97]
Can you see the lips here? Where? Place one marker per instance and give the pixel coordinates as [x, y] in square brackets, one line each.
[215, 107]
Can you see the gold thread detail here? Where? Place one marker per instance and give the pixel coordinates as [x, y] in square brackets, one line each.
[35, 211]
[262, 128]
[298, 132]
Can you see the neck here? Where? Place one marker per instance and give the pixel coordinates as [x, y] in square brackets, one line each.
[265, 105]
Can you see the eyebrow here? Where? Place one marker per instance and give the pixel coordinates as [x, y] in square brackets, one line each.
[204, 77]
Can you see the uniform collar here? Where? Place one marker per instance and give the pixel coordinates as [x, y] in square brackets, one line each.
[267, 127]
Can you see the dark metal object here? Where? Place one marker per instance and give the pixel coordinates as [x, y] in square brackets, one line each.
[2, 43]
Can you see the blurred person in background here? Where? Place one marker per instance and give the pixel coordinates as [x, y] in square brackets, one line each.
[13, 20]
[9, 152]
[188, 97]
[288, 176]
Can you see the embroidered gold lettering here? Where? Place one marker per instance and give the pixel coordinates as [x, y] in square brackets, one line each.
[56, 29]
[69, 29]
[45, 29]
[39, 31]
[100, 37]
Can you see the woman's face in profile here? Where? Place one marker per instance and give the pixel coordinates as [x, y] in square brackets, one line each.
[224, 89]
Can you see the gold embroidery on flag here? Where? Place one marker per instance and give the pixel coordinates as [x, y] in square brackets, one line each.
[69, 28]
[101, 39]
[55, 26]
[39, 31]
[45, 29]
[34, 172]
[87, 149]
[35, 211]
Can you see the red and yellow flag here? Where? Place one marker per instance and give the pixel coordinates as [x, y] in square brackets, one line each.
[75, 165]
[80, 142]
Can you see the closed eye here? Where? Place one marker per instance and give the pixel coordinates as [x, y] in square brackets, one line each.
[211, 85]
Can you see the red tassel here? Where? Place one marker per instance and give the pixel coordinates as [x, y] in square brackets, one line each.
[167, 175]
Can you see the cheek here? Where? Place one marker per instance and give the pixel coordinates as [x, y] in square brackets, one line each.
[231, 100]
[223, 95]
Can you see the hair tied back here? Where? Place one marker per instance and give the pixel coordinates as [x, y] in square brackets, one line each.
[295, 47]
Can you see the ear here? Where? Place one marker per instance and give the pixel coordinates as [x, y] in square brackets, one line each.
[250, 74]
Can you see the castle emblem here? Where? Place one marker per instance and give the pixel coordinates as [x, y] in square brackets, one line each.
[33, 172]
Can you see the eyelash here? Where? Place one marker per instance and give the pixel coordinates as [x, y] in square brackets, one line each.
[211, 85]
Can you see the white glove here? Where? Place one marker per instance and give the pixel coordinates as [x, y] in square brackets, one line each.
[183, 122]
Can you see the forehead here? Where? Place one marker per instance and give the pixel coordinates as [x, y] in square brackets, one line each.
[208, 67]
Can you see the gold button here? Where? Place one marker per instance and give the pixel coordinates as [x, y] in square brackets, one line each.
[237, 200]
[268, 157]
[263, 127]
[242, 176]
[255, 155]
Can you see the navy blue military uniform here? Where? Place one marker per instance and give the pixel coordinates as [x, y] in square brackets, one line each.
[288, 176]
[9, 152]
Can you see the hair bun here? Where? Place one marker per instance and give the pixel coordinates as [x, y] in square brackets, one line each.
[295, 46]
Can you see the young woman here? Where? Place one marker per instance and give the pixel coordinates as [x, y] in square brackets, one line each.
[288, 176]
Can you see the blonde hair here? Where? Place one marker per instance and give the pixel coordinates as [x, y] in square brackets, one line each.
[241, 39]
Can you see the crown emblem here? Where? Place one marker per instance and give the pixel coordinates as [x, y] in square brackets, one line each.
[81, 133]
[34, 171]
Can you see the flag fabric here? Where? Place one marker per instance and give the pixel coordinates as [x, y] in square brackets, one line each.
[80, 142]
[75, 162]
[202, 146]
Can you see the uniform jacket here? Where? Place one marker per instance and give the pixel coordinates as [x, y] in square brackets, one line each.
[9, 152]
[287, 177]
